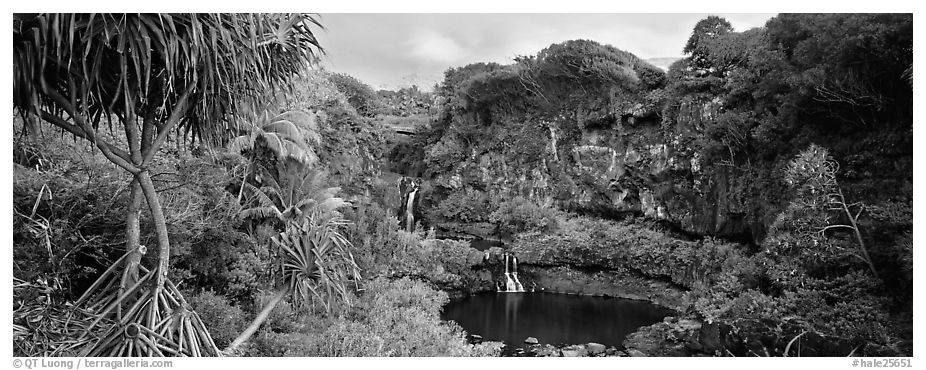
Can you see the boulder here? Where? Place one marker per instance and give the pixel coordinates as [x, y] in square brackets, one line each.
[635, 353]
[546, 350]
[577, 350]
[531, 340]
[689, 325]
[595, 349]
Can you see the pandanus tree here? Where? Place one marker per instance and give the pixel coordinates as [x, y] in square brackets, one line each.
[821, 201]
[150, 77]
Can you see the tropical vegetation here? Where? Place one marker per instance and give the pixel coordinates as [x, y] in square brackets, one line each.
[196, 185]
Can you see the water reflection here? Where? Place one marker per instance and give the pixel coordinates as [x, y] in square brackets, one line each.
[552, 318]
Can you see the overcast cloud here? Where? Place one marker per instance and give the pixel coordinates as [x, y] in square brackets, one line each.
[385, 49]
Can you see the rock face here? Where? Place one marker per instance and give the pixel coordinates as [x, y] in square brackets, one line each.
[627, 165]
[615, 283]
[671, 338]
[698, 152]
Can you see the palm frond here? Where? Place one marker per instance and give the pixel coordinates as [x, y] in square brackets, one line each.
[262, 195]
[261, 212]
[305, 121]
[302, 155]
[240, 144]
[266, 206]
[285, 129]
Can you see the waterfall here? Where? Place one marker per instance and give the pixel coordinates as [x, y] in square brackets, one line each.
[514, 274]
[512, 284]
[410, 211]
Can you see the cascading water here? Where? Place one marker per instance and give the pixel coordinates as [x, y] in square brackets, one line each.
[512, 284]
[408, 187]
[410, 211]
[514, 274]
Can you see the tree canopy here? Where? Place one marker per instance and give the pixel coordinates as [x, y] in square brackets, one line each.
[91, 67]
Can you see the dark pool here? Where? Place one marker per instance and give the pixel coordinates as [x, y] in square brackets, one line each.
[552, 318]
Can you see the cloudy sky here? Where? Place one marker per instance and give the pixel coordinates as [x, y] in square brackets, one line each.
[385, 50]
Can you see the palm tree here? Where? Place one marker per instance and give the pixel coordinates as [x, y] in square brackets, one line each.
[289, 137]
[154, 76]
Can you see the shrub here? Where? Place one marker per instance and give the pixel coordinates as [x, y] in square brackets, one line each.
[359, 95]
[399, 318]
[376, 237]
[223, 320]
[393, 318]
[442, 262]
[467, 206]
[521, 215]
[407, 101]
[68, 212]
[857, 317]
[272, 344]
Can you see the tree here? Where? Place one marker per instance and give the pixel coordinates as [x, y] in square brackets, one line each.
[359, 95]
[155, 75]
[813, 174]
[288, 137]
[850, 66]
[705, 30]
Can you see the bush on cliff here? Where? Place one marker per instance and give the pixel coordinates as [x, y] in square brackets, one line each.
[593, 243]
[519, 215]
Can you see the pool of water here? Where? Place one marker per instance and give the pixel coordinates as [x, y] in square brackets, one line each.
[552, 318]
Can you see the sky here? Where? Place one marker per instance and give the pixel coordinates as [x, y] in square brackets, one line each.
[388, 50]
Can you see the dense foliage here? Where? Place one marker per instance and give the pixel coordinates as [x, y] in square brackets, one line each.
[230, 214]
[831, 87]
[394, 318]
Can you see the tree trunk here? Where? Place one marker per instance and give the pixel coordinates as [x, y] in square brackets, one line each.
[132, 239]
[160, 228]
[136, 144]
[261, 317]
[31, 125]
[858, 234]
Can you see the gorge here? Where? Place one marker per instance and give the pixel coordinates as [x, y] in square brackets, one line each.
[681, 188]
